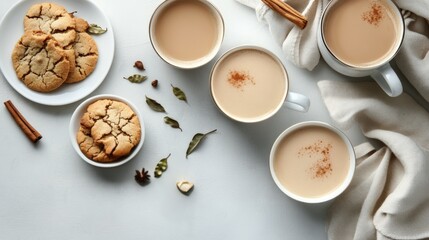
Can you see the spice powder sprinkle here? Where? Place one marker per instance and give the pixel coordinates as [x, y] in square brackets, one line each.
[239, 78]
[321, 150]
[374, 15]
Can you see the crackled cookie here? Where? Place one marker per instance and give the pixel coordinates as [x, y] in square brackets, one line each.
[85, 53]
[53, 19]
[85, 57]
[109, 130]
[81, 24]
[40, 62]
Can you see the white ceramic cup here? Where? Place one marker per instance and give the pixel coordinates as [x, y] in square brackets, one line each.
[180, 63]
[329, 195]
[381, 72]
[289, 99]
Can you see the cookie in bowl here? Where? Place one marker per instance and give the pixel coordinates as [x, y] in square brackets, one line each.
[106, 130]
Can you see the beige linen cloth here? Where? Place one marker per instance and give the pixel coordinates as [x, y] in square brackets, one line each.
[389, 195]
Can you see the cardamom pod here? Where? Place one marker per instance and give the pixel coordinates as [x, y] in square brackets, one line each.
[95, 29]
[161, 166]
[136, 78]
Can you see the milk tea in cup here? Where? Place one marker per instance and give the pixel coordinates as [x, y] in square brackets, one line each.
[250, 84]
[362, 33]
[359, 38]
[312, 162]
[186, 33]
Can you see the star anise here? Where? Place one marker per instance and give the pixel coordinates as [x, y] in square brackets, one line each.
[142, 177]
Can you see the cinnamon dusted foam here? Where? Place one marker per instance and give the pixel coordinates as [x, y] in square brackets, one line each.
[312, 161]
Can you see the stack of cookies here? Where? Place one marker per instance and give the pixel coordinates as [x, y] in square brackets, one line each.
[54, 49]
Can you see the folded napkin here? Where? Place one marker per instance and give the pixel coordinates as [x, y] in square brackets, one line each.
[300, 46]
[388, 196]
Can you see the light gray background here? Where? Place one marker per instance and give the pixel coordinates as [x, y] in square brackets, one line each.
[48, 192]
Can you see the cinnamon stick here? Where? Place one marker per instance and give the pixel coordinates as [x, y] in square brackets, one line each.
[287, 11]
[25, 126]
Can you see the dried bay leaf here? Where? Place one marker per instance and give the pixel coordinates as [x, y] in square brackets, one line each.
[154, 105]
[196, 140]
[136, 78]
[95, 29]
[161, 166]
[173, 123]
[179, 93]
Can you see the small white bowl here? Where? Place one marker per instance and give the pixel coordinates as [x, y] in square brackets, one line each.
[75, 124]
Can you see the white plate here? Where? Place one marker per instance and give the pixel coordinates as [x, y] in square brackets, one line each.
[11, 30]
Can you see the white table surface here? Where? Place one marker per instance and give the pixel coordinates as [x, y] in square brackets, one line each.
[48, 192]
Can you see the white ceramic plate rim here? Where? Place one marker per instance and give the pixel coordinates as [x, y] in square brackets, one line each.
[75, 124]
[11, 29]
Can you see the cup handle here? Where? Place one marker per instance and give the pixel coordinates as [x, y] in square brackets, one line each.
[387, 79]
[297, 102]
